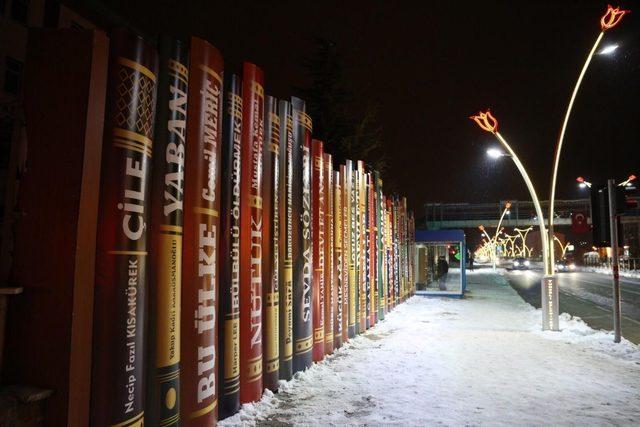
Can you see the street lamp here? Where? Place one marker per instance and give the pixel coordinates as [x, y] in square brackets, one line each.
[563, 248]
[495, 153]
[608, 50]
[582, 183]
[525, 251]
[491, 244]
[510, 245]
[610, 19]
[627, 182]
[507, 206]
[549, 293]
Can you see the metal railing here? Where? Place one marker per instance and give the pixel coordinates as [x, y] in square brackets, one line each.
[626, 264]
[436, 213]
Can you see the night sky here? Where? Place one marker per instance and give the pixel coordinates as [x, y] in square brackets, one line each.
[431, 65]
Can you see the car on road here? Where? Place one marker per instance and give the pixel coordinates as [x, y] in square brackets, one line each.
[521, 263]
[565, 265]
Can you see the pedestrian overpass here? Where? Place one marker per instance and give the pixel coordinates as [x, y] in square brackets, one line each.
[522, 214]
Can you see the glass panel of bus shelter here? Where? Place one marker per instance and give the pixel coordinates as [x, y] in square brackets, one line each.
[438, 268]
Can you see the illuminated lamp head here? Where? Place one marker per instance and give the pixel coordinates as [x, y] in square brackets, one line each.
[612, 17]
[481, 227]
[486, 121]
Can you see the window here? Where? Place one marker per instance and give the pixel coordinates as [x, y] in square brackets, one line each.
[12, 75]
[20, 10]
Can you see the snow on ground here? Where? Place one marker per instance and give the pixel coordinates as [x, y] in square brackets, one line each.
[481, 360]
[632, 274]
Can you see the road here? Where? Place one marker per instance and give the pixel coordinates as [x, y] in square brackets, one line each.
[586, 295]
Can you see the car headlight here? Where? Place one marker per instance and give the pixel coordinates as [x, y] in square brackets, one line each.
[527, 263]
[516, 263]
[572, 266]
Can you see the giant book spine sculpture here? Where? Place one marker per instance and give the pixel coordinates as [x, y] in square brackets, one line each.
[318, 233]
[270, 245]
[200, 288]
[327, 164]
[373, 231]
[338, 253]
[380, 279]
[350, 227]
[287, 230]
[302, 244]
[118, 376]
[346, 253]
[229, 333]
[251, 221]
[163, 347]
[360, 242]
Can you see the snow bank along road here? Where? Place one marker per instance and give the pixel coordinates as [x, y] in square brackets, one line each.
[477, 361]
[586, 295]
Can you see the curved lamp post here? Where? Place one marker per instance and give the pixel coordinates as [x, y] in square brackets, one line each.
[492, 245]
[507, 206]
[549, 293]
[582, 183]
[610, 19]
[488, 123]
[563, 248]
[511, 244]
[524, 250]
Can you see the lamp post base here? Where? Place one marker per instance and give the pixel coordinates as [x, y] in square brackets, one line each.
[549, 296]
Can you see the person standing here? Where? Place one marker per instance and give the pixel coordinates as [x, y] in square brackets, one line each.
[443, 270]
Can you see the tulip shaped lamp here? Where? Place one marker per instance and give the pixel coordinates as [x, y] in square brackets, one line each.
[549, 293]
[610, 19]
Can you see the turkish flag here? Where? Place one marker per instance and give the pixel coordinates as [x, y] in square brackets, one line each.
[579, 222]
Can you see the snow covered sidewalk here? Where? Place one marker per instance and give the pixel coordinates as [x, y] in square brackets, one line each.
[477, 361]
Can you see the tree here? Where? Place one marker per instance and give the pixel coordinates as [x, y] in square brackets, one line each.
[347, 124]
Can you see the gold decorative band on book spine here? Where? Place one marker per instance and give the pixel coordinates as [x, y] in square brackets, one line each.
[304, 119]
[211, 72]
[258, 89]
[206, 211]
[255, 201]
[303, 345]
[204, 410]
[254, 369]
[138, 67]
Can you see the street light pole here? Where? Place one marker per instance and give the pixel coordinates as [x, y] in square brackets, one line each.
[563, 248]
[610, 19]
[507, 206]
[613, 224]
[563, 129]
[492, 245]
[549, 294]
[534, 197]
[523, 236]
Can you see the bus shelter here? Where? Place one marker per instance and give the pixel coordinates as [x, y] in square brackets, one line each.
[440, 258]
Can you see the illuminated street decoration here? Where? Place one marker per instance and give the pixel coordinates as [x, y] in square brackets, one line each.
[489, 244]
[486, 121]
[524, 251]
[510, 246]
[563, 248]
[612, 17]
[507, 206]
[550, 295]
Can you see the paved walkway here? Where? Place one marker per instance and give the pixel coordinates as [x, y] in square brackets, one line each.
[477, 361]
